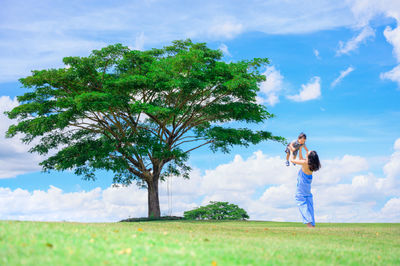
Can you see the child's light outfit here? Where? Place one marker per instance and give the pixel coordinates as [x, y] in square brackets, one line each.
[296, 145]
[304, 197]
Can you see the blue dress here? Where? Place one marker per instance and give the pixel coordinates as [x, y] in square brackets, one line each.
[304, 197]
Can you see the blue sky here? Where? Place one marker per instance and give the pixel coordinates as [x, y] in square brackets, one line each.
[334, 74]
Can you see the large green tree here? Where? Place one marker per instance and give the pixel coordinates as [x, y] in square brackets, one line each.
[139, 113]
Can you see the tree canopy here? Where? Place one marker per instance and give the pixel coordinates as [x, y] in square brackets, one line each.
[139, 113]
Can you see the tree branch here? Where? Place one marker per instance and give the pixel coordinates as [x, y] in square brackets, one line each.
[208, 142]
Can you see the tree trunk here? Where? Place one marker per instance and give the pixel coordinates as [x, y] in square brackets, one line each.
[152, 199]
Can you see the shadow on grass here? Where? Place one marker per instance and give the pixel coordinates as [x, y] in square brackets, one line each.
[174, 218]
[147, 219]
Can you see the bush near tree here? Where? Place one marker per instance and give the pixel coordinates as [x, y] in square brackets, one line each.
[217, 210]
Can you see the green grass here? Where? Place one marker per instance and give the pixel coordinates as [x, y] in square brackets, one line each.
[197, 243]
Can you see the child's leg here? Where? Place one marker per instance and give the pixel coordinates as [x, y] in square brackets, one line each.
[287, 156]
[294, 156]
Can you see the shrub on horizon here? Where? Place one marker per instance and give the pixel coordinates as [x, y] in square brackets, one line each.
[217, 210]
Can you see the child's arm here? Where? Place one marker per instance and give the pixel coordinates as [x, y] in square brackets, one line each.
[305, 147]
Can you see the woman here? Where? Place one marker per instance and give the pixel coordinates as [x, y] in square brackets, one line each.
[304, 197]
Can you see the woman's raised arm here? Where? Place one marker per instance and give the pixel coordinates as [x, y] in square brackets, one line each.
[301, 153]
[300, 160]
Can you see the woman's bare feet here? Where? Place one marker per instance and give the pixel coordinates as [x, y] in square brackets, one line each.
[309, 225]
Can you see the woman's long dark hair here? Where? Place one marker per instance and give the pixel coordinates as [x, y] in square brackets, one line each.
[313, 161]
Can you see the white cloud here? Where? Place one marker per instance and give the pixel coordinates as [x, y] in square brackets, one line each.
[309, 91]
[343, 74]
[363, 10]
[393, 75]
[336, 170]
[391, 183]
[263, 185]
[393, 37]
[274, 195]
[366, 10]
[54, 204]
[226, 29]
[397, 145]
[13, 151]
[362, 189]
[391, 210]
[271, 88]
[354, 43]
[18, 61]
[225, 50]
[139, 42]
[316, 53]
[241, 175]
[39, 37]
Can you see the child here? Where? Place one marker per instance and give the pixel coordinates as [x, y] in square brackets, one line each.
[304, 197]
[293, 147]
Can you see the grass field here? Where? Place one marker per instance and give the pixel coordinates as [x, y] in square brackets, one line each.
[197, 243]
